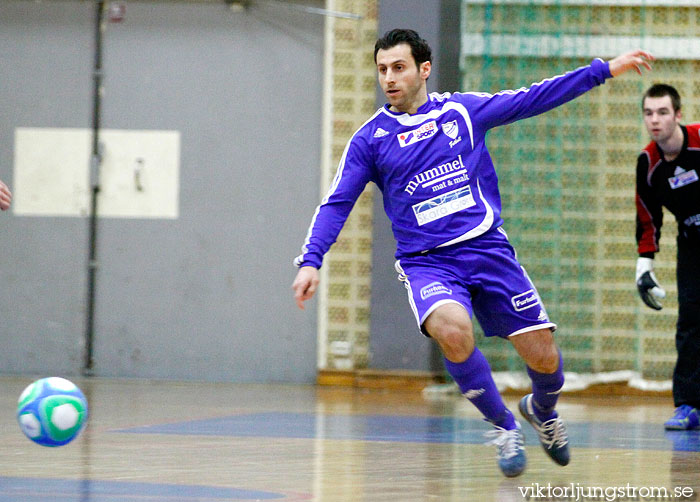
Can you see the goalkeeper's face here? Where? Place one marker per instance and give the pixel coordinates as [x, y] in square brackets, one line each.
[403, 82]
[660, 119]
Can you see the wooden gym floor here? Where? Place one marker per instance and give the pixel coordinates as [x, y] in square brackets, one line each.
[196, 442]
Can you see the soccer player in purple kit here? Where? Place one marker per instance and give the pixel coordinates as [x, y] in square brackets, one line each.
[427, 154]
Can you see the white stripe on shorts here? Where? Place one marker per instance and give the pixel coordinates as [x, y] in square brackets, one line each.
[404, 278]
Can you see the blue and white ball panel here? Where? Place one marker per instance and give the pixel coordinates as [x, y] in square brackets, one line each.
[52, 411]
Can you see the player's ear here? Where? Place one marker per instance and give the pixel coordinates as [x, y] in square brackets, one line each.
[425, 68]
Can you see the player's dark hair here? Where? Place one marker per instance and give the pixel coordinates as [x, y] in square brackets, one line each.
[420, 50]
[661, 90]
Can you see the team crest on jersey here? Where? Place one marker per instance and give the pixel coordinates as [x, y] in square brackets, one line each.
[451, 129]
[425, 131]
[683, 178]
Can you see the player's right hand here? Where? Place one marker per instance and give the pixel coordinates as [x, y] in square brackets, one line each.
[5, 196]
[305, 285]
[647, 285]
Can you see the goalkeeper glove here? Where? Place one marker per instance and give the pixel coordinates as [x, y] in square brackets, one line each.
[647, 285]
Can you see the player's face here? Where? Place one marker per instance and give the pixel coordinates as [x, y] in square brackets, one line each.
[401, 80]
[660, 119]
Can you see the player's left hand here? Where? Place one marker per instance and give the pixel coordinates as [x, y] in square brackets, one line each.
[633, 60]
[647, 285]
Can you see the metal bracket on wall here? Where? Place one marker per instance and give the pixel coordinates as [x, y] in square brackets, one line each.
[245, 4]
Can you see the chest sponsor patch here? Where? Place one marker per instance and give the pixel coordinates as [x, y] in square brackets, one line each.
[434, 288]
[525, 300]
[425, 131]
[683, 179]
[443, 205]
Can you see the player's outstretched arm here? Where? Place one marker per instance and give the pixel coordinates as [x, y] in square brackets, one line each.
[633, 60]
[5, 196]
[305, 285]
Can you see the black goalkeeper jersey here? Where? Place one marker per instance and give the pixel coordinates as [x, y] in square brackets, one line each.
[675, 185]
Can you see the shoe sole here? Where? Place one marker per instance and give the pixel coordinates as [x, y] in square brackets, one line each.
[513, 474]
[674, 428]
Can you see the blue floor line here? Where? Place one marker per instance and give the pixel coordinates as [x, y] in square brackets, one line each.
[413, 429]
[16, 489]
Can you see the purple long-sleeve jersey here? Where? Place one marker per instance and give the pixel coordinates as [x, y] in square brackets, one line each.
[436, 176]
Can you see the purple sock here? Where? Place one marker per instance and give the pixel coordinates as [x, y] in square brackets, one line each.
[474, 379]
[545, 390]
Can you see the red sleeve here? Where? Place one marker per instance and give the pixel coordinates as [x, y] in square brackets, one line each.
[649, 210]
[693, 135]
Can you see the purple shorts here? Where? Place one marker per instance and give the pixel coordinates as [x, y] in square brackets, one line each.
[481, 274]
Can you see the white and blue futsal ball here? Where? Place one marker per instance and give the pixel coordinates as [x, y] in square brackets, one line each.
[52, 411]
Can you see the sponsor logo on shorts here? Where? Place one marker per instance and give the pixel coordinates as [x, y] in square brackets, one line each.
[525, 300]
[443, 205]
[423, 132]
[683, 179]
[432, 289]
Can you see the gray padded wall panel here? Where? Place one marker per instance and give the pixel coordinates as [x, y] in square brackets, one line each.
[206, 296]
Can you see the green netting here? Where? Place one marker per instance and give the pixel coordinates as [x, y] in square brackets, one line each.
[567, 177]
